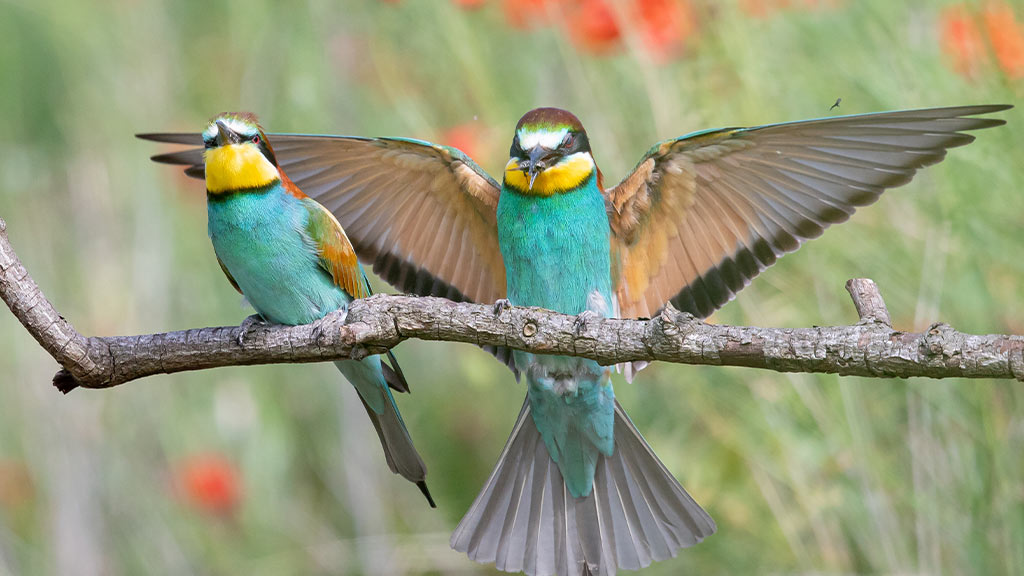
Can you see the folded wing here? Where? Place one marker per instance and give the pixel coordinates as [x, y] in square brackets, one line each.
[335, 251]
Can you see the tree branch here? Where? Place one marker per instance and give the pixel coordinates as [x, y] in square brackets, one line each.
[869, 348]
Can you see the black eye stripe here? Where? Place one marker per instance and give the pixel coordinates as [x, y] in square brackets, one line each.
[580, 142]
[516, 150]
[267, 151]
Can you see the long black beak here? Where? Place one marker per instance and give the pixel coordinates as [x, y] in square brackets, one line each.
[225, 135]
[539, 159]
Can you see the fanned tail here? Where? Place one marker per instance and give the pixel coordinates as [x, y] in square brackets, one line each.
[399, 451]
[526, 520]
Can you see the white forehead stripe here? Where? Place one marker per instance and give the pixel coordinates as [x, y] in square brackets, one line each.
[549, 139]
[237, 126]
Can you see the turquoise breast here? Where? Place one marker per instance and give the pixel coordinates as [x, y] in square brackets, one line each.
[556, 251]
[556, 248]
[260, 238]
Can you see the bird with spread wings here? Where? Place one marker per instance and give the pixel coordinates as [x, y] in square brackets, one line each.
[697, 218]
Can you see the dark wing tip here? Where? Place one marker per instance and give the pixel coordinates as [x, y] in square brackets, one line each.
[191, 158]
[995, 108]
[184, 157]
[979, 123]
[190, 138]
[951, 111]
[422, 485]
[968, 110]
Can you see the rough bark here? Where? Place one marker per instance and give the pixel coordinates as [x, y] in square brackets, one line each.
[869, 348]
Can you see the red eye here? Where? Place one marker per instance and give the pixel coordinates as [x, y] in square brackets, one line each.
[567, 142]
[256, 139]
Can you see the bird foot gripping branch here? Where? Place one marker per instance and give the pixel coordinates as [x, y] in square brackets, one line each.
[247, 325]
[333, 318]
[500, 305]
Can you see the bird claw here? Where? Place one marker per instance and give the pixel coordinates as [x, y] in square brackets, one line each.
[247, 325]
[582, 318]
[500, 305]
[339, 315]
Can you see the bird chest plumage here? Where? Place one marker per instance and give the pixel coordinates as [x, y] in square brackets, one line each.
[556, 248]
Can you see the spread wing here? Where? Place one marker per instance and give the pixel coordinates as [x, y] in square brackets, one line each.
[423, 215]
[336, 254]
[701, 215]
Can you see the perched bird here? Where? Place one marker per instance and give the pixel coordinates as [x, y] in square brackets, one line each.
[577, 489]
[292, 261]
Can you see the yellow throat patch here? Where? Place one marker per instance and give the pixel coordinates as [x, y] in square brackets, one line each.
[237, 167]
[562, 177]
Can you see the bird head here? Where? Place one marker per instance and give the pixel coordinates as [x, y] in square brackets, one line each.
[550, 154]
[238, 155]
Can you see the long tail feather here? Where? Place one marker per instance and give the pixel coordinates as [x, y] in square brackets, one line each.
[525, 519]
[401, 455]
[399, 451]
[393, 374]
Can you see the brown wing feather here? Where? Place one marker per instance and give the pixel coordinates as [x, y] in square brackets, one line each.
[423, 215]
[337, 256]
[701, 216]
[420, 214]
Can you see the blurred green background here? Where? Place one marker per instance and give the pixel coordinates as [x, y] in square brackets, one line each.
[275, 470]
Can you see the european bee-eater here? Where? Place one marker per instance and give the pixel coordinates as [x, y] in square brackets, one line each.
[577, 489]
[292, 261]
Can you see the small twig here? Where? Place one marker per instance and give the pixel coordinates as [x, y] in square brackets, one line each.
[375, 324]
[868, 301]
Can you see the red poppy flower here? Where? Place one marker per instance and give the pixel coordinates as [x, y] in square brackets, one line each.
[666, 24]
[525, 14]
[961, 40]
[1007, 38]
[465, 137]
[210, 483]
[593, 26]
